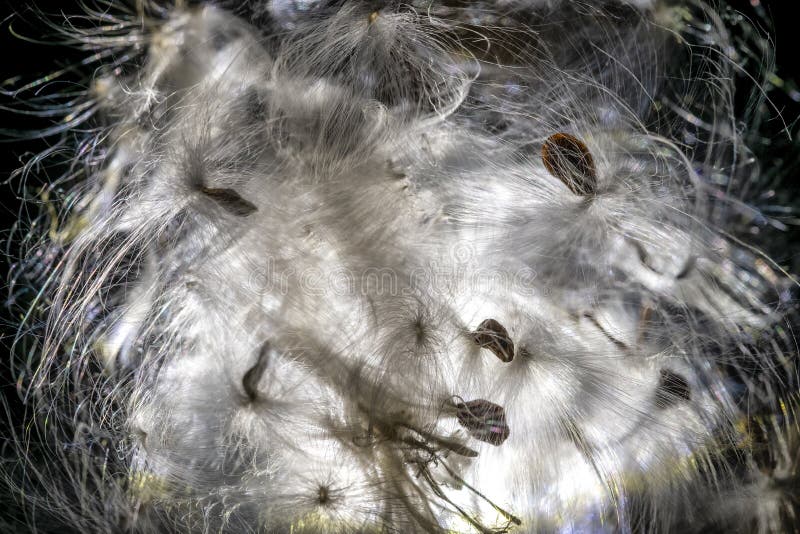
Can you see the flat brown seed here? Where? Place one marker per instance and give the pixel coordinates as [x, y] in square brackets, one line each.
[253, 375]
[484, 420]
[230, 201]
[672, 388]
[567, 158]
[493, 336]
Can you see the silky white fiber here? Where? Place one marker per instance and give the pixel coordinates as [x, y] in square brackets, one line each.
[355, 267]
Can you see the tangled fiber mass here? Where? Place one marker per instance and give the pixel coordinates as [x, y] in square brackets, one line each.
[320, 266]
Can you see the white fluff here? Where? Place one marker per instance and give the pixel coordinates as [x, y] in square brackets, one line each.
[268, 296]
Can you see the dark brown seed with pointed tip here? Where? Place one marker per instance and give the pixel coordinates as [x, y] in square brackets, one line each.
[230, 201]
[484, 420]
[493, 336]
[672, 388]
[567, 158]
[253, 375]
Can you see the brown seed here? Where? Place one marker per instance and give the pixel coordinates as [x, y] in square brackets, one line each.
[493, 336]
[253, 375]
[567, 158]
[230, 201]
[323, 495]
[485, 421]
[672, 388]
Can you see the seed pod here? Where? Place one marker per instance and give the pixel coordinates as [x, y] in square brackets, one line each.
[567, 158]
[484, 420]
[493, 336]
[672, 388]
[230, 201]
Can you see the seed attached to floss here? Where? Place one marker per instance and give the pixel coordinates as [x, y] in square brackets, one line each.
[567, 158]
[253, 375]
[323, 496]
[230, 201]
[493, 336]
[672, 388]
[484, 420]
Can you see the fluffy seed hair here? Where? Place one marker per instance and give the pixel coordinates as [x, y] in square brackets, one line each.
[413, 266]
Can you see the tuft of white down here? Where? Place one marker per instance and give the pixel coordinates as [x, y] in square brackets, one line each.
[323, 217]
